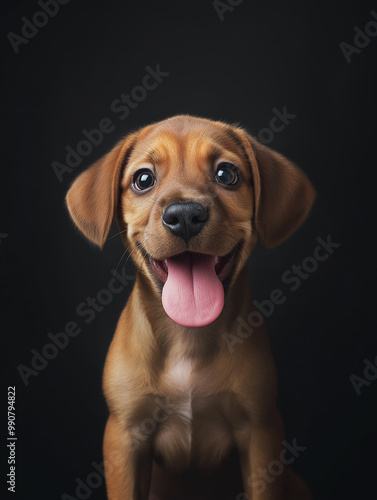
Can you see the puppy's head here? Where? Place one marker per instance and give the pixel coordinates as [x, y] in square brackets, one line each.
[191, 197]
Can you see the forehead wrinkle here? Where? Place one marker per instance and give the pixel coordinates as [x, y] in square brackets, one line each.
[209, 149]
[148, 156]
[154, 151]
[236, 143]
[193, 153]
[169, 147]
[220, 138]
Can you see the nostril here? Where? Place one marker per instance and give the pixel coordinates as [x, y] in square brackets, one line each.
[185, 219]
[198, 219]
[171, 219]
[200, 216]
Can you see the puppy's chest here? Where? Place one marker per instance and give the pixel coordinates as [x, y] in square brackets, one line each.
[196, 419]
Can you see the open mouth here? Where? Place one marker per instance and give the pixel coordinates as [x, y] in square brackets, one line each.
[223, 265]
[193, 285]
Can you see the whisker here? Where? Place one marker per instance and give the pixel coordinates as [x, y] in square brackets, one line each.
[134, 227]
[117, 234]
[241, 244]
[120, 260]
[128, 258]
[144, 253]
[140, 246]
[148, 233]
[126, 250]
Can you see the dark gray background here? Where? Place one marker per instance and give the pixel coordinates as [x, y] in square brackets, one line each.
[263, 55]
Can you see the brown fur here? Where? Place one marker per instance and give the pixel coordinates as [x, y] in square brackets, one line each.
[215, 399]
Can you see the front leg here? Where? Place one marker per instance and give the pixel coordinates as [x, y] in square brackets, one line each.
[127, 467]
[262, 469]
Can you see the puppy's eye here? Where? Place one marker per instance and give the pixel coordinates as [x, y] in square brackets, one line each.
[226, 173]
[144, 179]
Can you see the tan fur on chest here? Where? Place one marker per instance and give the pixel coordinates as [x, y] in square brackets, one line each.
[195, 426]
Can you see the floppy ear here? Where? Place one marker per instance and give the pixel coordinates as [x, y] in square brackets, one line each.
[283, 193]
[92, 198]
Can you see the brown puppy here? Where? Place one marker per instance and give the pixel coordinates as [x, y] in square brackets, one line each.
[191, 197]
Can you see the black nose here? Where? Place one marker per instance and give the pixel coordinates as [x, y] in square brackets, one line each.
[185, 219]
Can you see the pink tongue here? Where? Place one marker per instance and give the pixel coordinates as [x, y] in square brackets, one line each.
[193, 294]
